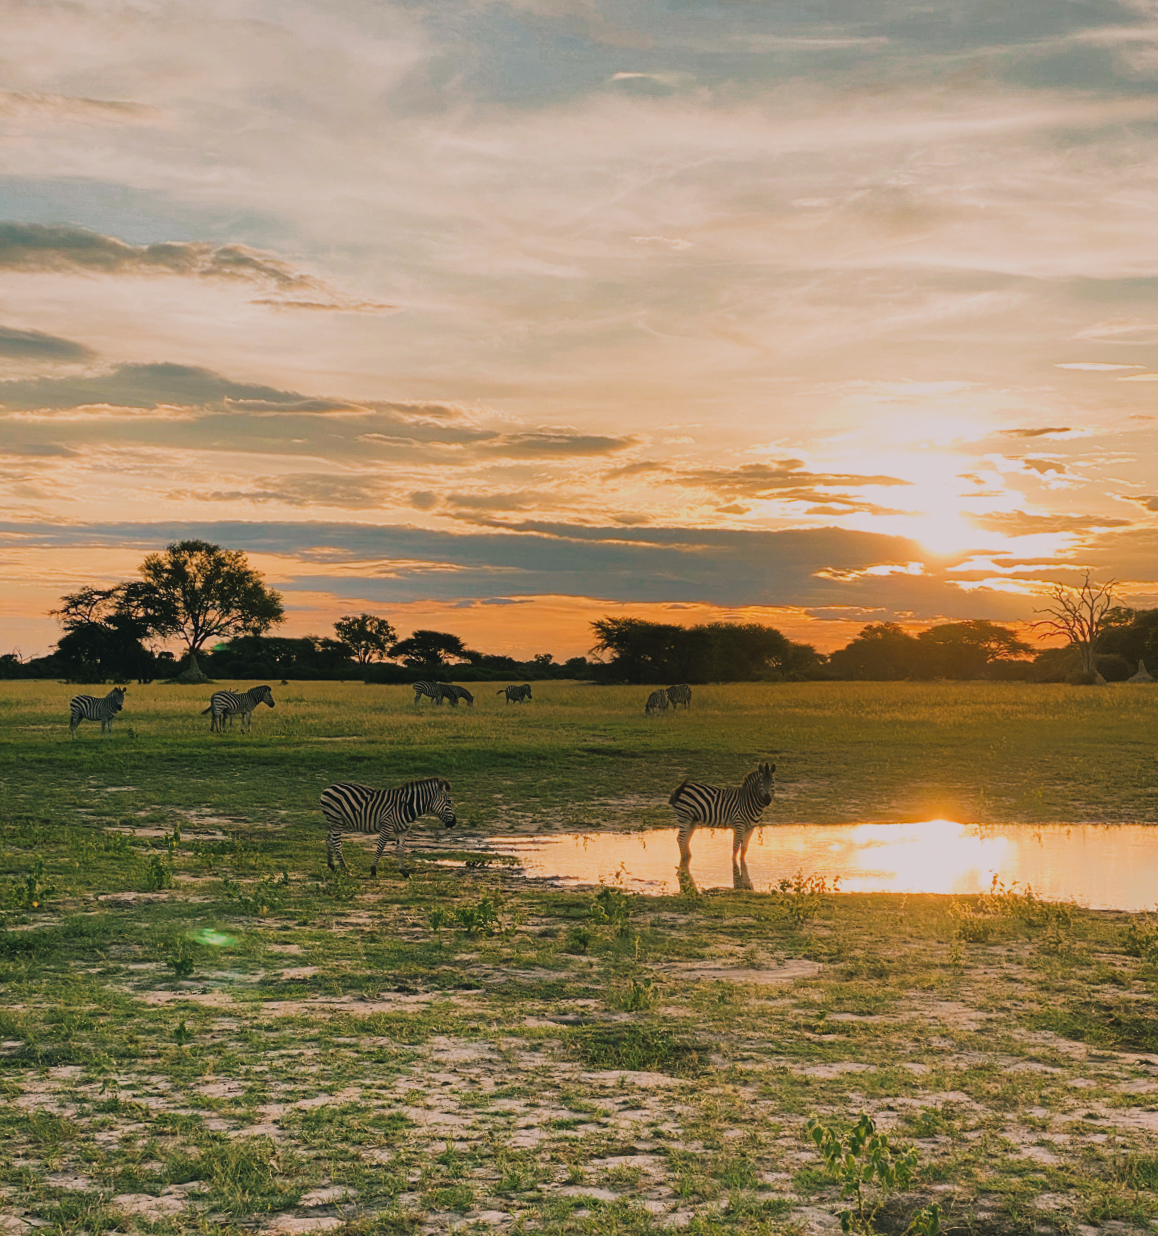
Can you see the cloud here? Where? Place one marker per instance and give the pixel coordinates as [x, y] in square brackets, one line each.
[1035, 433]
[1042, 465]
[1095, 366]
[556, 442]
[37, 346]
[1149, 501]
[785, 480]
[58, 107]
[53, 248]
[1021, 523]
[307, 490]
[140, 386]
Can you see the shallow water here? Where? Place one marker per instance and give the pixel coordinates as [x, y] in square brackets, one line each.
[1103, 866]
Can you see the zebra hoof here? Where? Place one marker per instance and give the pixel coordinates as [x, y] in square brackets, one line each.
[405, 875]
[374, 872]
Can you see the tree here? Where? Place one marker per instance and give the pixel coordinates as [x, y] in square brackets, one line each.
[428, 651]
[104, 628]
[198, 591]
[1082, 615]
[369, 638]
[969, 649]
[881, 651]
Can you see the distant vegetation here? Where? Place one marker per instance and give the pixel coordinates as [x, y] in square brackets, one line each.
[196, 592]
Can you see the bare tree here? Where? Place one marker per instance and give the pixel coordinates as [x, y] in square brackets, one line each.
[1082, 615]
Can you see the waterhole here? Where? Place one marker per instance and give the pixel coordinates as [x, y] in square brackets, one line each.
[1103, 866]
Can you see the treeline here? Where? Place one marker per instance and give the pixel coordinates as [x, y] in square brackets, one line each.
[211, 600]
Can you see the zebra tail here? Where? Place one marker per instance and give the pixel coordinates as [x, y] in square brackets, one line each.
[677, 792]
[498, 692]
[206, 711]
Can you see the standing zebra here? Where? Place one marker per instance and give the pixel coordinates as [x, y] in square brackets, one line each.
[681, 693]
[516, 695]
[724, 807]
[359, 809]
[224, 704]
[436, 691]
[89, 708]
[656, 702]
[454, 694]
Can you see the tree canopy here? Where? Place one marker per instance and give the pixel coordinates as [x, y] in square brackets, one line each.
[642, 651]
[368, 637]
[431, 651]
[197, 591]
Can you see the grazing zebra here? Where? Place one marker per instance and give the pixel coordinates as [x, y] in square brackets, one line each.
[724, 807]
[89, 708]
[516, 695]
[454, 694]
[437, 691]
[359, 809]
[224, 704]
[656, 702]
[681, 693]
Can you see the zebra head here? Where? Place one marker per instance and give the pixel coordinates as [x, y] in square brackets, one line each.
[763, 782]
[117, 697]
[441, 805]
[263, 695]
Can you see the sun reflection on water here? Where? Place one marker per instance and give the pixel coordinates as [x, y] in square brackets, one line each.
[1104, 866]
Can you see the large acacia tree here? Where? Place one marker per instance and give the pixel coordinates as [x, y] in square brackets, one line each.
[197, 591]
[1082, 615]
[368, 637]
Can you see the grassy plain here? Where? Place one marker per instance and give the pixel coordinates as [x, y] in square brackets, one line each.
[202, 1029]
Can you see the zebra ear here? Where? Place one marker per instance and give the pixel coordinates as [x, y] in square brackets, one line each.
[445, 783]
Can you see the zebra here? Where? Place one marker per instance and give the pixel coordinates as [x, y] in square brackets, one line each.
[224, 704]
[516, 694]
[656, 702]
[454, 694]
[681, 693]
[359, 809]
[724, 807]
[89, 708]
[437, 691]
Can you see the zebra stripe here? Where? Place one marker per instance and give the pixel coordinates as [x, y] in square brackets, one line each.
[656, 702]
[359, 809]
[681, 693]
[437, 691]
[724, 807]
[458, 693]
[89, 708]
[224, 704]
[516, 695]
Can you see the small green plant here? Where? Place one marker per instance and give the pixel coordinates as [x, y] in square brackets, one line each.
[1140, 939]
[439, 917]
[483, 917]
[29, 891]
[578, 940]
[611, 907]
[263, 897]
[182, 965]
[641, 996]
[861, 1157]
[160, 873]
[182, 1034]
[800, 897]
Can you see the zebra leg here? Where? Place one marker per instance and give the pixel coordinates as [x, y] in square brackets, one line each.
[402, 857]
[685, 840]
[334, 846]
[382, 839]
[740, 876]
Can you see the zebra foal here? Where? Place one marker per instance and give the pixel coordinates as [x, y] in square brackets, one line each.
[656, 702]
[516, 695]
[224, 704]
[681, 693]
[89, 708]
[355, 808]
[717, 806]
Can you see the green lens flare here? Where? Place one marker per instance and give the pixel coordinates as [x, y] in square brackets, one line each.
[208, 936]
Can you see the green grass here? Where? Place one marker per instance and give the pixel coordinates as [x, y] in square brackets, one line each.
[196, 1009]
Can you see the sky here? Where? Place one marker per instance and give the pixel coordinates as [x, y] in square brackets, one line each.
[500, 317]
